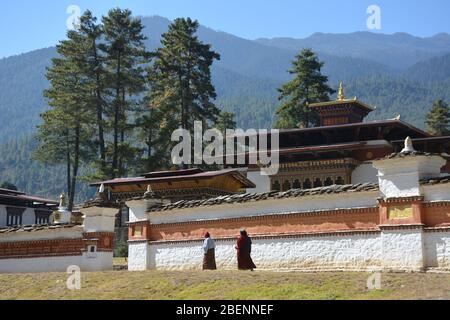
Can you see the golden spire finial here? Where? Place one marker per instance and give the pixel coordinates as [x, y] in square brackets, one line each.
[62, 200]
[341, 94]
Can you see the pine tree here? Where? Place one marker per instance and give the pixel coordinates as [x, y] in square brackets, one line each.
[225, 121]
[125, 58]
[8, 185]
[438, 119]
[93, 68]
[307, 86]
[154, 151]
[65, 135]
[181, 78]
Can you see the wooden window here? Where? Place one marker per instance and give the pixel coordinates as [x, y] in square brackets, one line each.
[340, 181]
[328, 182]
[42, 217]
[297, 184]
[286, 185]
[307, 184]
[276, 186]
[317, 183]
[14, 216]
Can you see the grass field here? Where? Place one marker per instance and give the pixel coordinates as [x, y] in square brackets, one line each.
[239, 285]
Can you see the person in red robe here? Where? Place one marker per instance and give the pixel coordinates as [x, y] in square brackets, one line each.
[244, 250]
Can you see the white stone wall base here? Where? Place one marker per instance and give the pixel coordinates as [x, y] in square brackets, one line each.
[390, 251]
[102, 262]
[403, 249]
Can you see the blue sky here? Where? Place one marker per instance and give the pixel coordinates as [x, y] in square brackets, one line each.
[26, 25]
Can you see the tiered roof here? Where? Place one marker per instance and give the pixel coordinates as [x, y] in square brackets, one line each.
[12, 197]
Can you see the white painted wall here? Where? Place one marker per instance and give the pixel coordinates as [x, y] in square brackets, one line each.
[437, 249]
[28, 217]
[403, 249]
[37, 265]
[137, 256]
[98, 219]
[437, 192]
[103, 261]
[262, 182]
[137, 210]
[3, 215]
[358, 252]
[399, 177]
[365, 173]
[268, 207]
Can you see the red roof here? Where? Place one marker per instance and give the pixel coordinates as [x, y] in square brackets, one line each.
[21, 197]
[190, 174]
[7, 191]
[398, 123]
[173, 173]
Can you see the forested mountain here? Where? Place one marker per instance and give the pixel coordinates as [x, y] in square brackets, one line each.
[397, 73]
[433, 70]
[32, 177]
[399, 50]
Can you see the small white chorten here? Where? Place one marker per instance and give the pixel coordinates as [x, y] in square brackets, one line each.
[62, 215]
[408, 146]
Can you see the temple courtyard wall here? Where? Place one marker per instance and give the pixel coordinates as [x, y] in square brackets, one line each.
[353, 251]
[395, 216]
[337, 230]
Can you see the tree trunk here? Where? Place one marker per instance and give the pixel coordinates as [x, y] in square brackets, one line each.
[116, 120]
[101, 135]
[75, 166]
[69, 167]
[120, 165]
[183, 112]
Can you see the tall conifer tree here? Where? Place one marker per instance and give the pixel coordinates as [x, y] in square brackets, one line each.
[438, 118]
[125, 59]
[67, 127]
[94, 69]
[307, 86]
[181, 78]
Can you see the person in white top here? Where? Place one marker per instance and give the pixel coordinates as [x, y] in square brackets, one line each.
[209, 248]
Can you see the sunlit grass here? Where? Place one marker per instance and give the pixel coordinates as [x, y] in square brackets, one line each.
[228, 285]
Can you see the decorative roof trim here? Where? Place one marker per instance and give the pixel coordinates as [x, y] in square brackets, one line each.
[433, 181]
[35, 228]
[401, 226]
[342, 102]
[401, 155]
[366, 210]
[401, 200]
[437, 229]
[243, 198]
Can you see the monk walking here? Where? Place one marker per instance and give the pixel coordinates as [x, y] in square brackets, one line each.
[244, 249]
[209, 248]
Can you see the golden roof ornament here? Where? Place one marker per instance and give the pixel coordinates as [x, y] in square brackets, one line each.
[341, 94]
[149, 193]
[62, 200]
